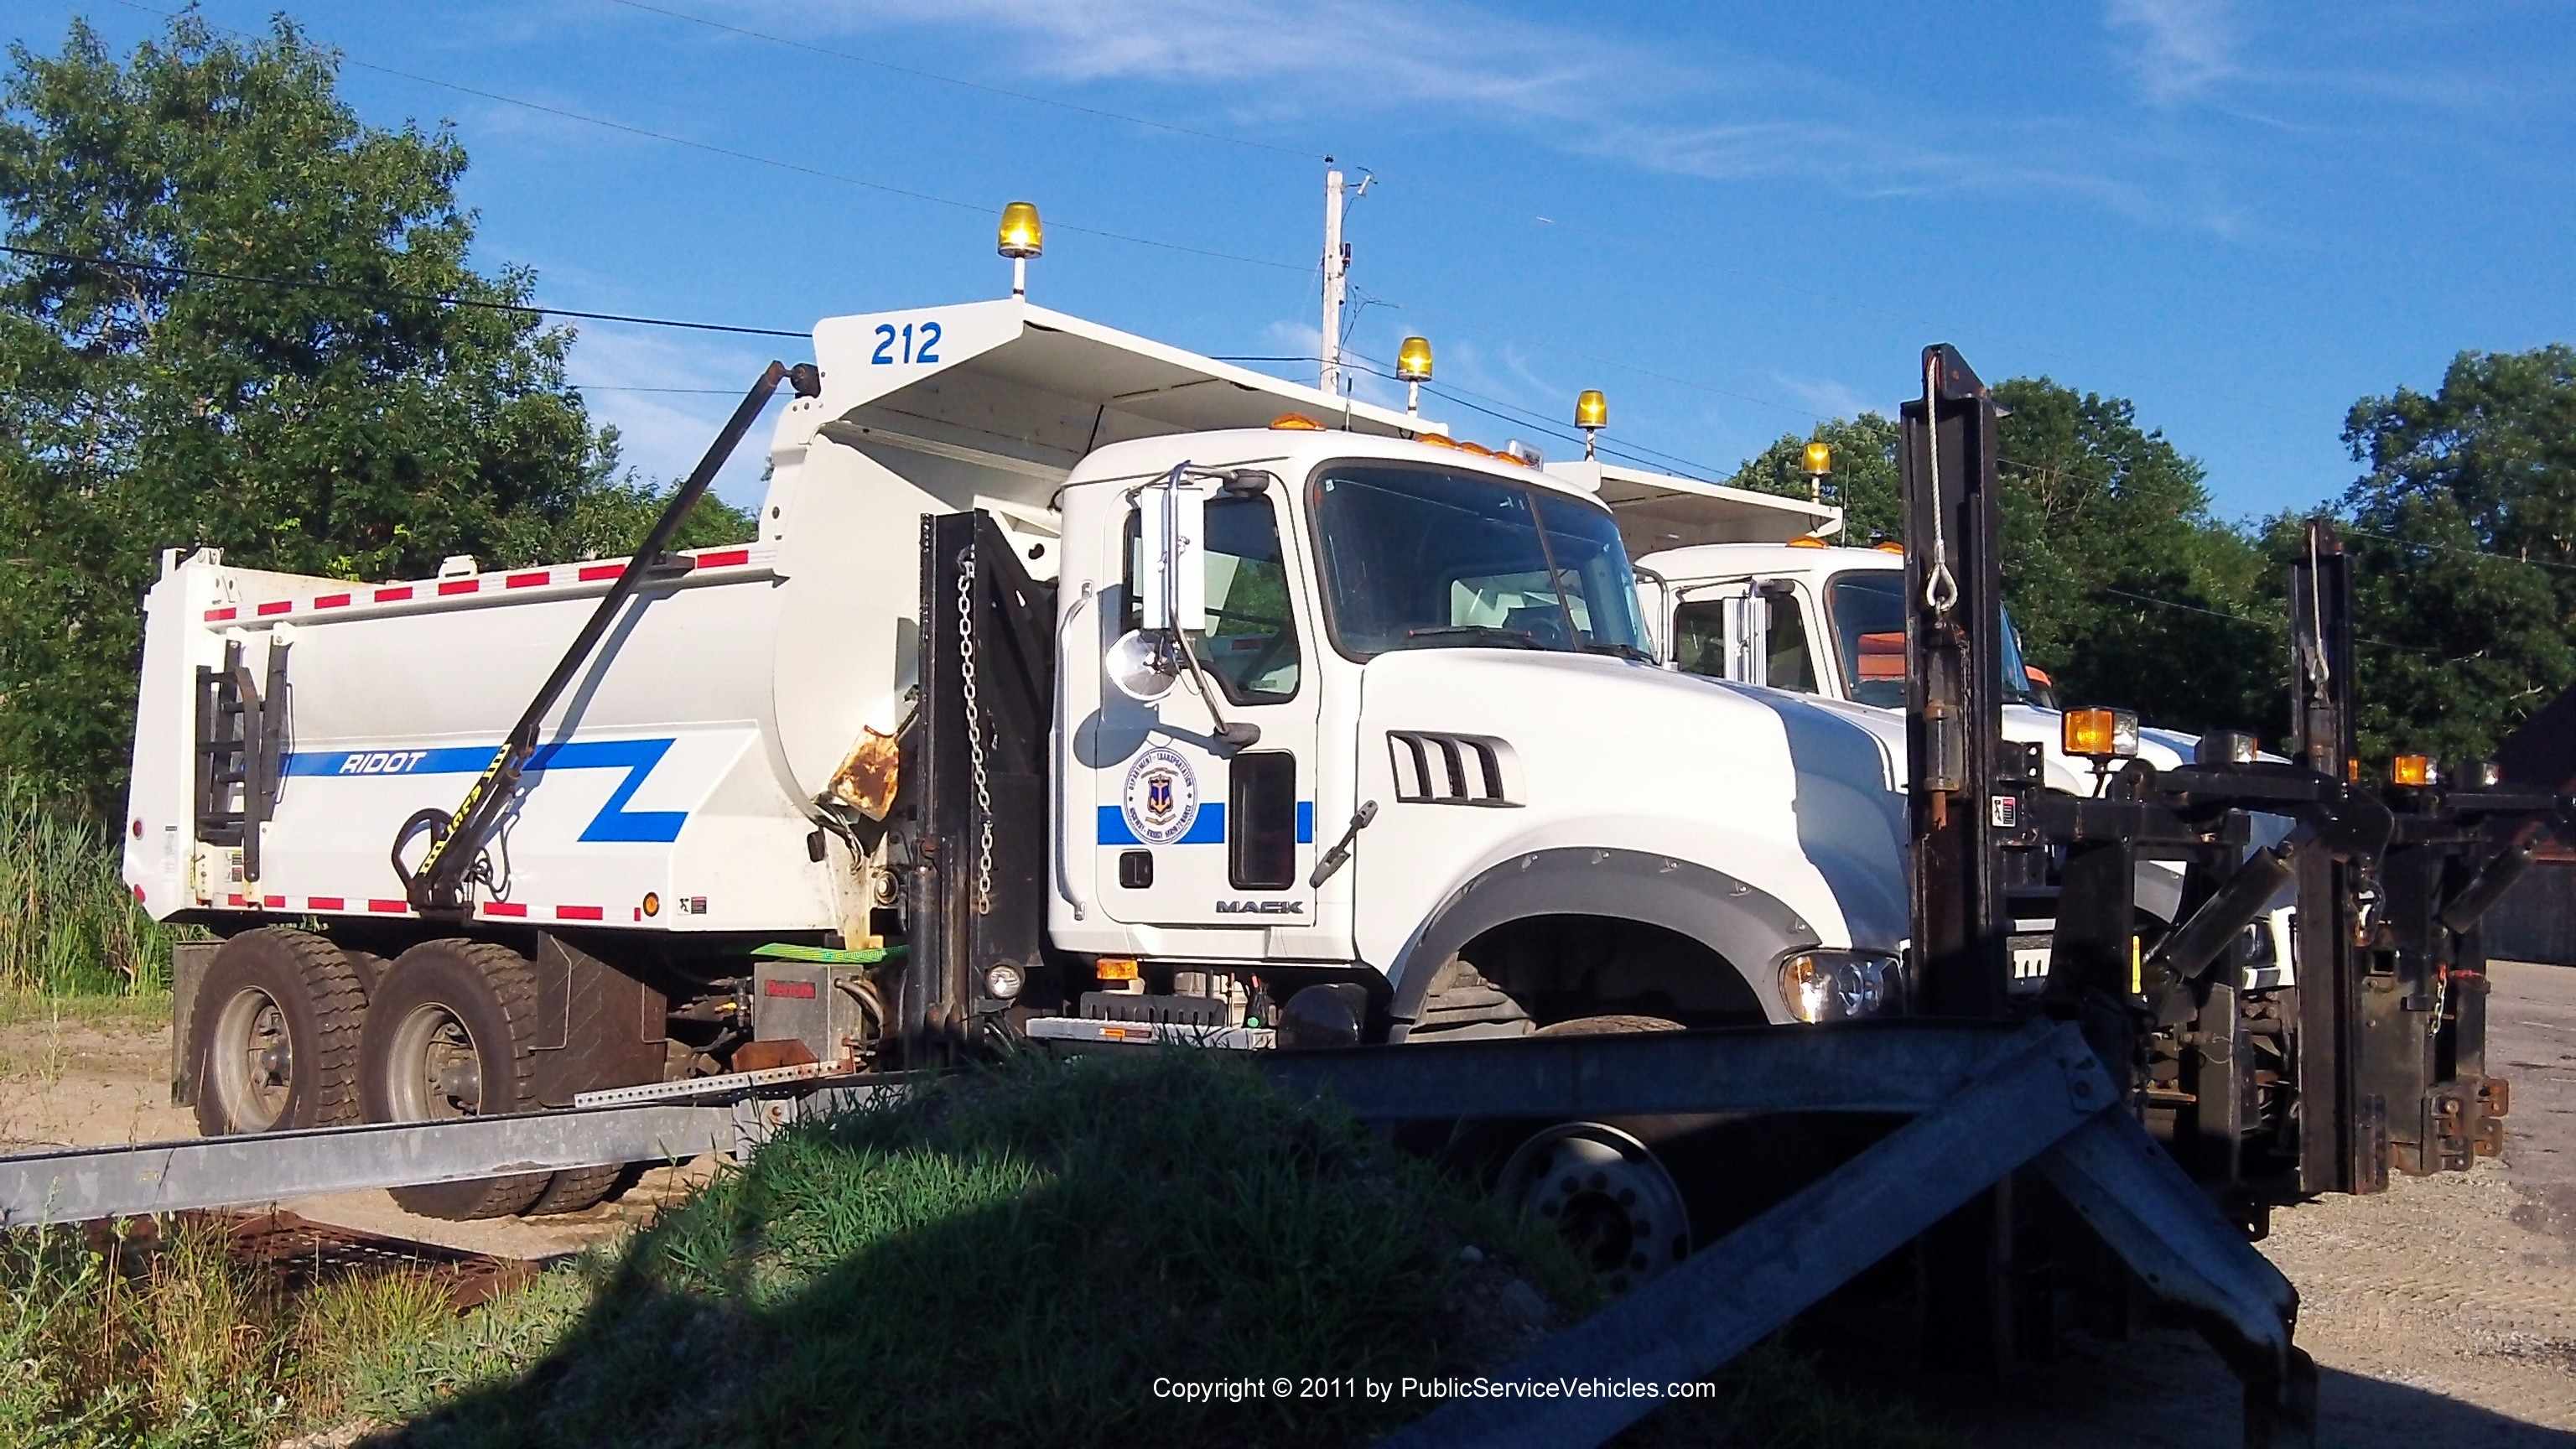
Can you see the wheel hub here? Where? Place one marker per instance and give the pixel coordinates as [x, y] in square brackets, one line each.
[253, 1060]
[1607, 1196]
[434, 1070]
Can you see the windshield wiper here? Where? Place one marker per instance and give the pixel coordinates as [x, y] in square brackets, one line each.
[1487, 633]
[1623, 651]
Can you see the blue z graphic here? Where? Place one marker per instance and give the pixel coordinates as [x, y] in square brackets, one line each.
[614, 822]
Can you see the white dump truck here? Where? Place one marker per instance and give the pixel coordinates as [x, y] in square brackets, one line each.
[1813, 617]
[1075, 686]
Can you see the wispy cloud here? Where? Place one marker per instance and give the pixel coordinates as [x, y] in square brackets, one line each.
[1708, 114]
[2182, 46]
[1827, 397]
[667, 398]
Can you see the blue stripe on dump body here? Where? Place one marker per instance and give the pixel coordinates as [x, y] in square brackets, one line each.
[613, 823]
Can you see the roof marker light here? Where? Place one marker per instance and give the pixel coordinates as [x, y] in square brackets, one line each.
[1295, 423]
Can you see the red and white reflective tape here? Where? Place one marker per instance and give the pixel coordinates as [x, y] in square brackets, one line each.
[382, 906]
[552, 576]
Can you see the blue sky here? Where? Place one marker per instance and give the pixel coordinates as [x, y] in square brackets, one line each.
[1734, 219]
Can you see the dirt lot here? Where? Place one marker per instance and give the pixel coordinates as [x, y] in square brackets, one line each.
[104, 1076]
[2442, 1313]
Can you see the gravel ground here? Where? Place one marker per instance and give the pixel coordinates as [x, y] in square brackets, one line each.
[2441, 1313]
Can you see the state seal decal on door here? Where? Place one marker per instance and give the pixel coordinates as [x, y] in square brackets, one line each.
[1162, 796]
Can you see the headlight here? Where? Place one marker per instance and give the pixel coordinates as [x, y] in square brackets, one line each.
[1839, 985]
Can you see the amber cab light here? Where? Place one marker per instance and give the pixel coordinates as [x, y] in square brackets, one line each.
[2100, 734]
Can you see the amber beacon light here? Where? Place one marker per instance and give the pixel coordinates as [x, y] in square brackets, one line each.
[1591, 414]
[1413, 369]
[1023, 236]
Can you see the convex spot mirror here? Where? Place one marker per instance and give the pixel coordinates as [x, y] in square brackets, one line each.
[1143, 664]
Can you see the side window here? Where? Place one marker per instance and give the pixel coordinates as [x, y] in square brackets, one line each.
[1251, 640]
[1699, 638]
[1790, 666]
[1261, 837]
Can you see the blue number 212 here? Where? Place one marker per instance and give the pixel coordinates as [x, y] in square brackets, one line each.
[887, 336]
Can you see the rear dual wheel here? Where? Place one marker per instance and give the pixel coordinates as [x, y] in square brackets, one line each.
[276, 1028]
[451, 1033]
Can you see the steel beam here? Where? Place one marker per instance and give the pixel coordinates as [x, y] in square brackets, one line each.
[2040, 1085]
[2040, 1094]
[2169, 1233]
[80, 1183]
[1899, 1067]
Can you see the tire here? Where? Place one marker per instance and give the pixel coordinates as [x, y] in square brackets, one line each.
[277, 1035]
[575, 1188]
[1601, 1185]
[450, 1032]
[369, 966]
[1607, 1026]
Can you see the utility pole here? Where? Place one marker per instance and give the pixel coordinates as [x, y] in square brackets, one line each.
[1337, 268]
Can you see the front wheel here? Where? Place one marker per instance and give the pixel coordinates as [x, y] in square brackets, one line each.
[451, 1033]
[1603, 1190]
[1607, 1195]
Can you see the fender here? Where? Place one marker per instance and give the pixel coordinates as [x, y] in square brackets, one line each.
[1745, 925]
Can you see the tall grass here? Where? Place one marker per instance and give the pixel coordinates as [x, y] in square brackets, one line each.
[68, 925]
[182, 1348]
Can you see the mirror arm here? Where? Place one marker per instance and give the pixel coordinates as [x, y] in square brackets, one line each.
[1241, 734]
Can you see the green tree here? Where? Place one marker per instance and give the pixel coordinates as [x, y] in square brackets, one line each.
[2126, 590]
[1864, 479]
[344, 425]
[2463, 533]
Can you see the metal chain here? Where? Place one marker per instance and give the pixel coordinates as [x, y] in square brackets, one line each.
[975, 731]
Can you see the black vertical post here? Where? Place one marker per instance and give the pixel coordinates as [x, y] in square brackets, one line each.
[1015, 697]
[1953, 720]
[2342, 1137]
[1953, 673]
[937, 800]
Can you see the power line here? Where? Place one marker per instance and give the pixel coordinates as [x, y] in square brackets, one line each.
[2537, 563]
[1504, 411]
[2282, 627]
[990, 90]
[349, 288]
[1629, 367]
[754, 157]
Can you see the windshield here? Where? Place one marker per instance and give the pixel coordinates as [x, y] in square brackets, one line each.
[1867, 610]
[1418, 558]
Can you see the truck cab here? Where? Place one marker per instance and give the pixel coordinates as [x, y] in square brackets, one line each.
[1817, 618]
